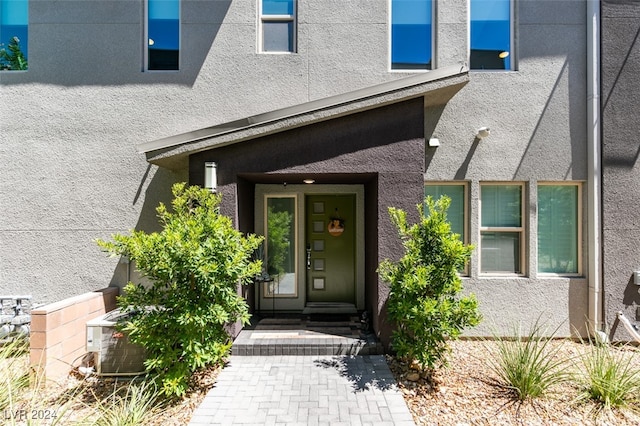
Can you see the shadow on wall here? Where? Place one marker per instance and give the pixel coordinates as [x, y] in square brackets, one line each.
[631, 295]
[570, 75]
[630, 298]
[578, 299]
[622, 146]
[156, 184]
[111, 55]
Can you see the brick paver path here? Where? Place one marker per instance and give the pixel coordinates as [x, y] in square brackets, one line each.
[304, 390]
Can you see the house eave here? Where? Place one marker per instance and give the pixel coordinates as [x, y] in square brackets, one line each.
[437, 87]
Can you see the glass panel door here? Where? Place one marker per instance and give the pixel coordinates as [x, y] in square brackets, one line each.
[281, 247]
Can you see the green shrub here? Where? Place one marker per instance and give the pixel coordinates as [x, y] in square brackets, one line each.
[195, 265]
[424, 300]
[609, 377]
[527, 365]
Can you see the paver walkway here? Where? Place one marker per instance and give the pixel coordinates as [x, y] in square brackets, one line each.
[304, 390]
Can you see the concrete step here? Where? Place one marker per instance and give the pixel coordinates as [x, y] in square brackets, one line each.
[303, 336]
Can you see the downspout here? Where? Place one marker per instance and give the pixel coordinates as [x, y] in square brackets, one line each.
[594, 173]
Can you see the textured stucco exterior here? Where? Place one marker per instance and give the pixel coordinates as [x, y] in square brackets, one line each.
[72, 172]
[620, 148]
[537, 118]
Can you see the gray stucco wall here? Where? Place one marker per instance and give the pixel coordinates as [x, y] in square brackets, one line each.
[71, 172]
[537, 118]
[620, 148]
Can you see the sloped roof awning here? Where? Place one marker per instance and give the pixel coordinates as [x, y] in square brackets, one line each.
[437, 87]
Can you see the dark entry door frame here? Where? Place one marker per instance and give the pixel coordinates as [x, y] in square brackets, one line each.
[298, 300]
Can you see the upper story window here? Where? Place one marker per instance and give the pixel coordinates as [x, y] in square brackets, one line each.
[14, 34]
[502, 229]
[559, 225]
[278, 25]
[163, 35]
[411, 34]
[491, 34]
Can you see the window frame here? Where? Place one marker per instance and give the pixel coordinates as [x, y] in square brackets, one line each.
[521, 230]
[263, 18]
[146, 40]
[433, 40]
[512, 39]
[579, 229]
[465, 212]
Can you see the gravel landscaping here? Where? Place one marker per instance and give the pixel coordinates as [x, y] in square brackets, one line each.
[466, 393]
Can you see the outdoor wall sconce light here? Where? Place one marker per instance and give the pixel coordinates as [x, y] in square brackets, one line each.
[434, 142]
[482, 132]
[211, 176]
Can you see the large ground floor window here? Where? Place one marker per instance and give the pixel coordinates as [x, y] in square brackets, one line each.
[517, 228]
[559, 224]
[501, 228]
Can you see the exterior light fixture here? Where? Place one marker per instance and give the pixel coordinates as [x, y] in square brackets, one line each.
[482, 132]
[309, 181]
[211, 176]
[503, 55]
[434, 142]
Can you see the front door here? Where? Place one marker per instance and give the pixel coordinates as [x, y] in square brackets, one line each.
[330, 237]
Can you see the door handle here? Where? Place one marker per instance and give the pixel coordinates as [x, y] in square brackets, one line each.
[309, 256]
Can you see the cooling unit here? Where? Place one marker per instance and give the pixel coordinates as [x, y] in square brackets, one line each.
[114, 354]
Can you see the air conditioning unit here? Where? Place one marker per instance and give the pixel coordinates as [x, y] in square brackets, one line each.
[114, 354]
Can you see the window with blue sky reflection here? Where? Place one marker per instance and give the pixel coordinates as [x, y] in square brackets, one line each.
[14, 22]
[277, 7]
[491, 35]
[163, 34]
[411, 34]
[278, 25]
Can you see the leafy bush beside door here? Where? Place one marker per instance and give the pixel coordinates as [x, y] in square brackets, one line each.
[194, 264]
[424, 301]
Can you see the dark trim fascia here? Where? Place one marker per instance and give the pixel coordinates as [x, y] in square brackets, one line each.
[437, 87]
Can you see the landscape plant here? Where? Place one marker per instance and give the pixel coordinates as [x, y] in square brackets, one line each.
[12, 58]
[140, 403]
[610, 377]
[425, 301]
[528, 365]
[194, 265]
[24, 390]
[14, 372]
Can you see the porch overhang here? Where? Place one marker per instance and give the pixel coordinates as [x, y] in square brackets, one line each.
[437, 87]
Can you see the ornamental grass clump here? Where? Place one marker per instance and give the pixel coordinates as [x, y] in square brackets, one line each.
[195, 265]
[425, 303]
[610, 377]
[14, 371]
[528, 366]
[139, 405]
